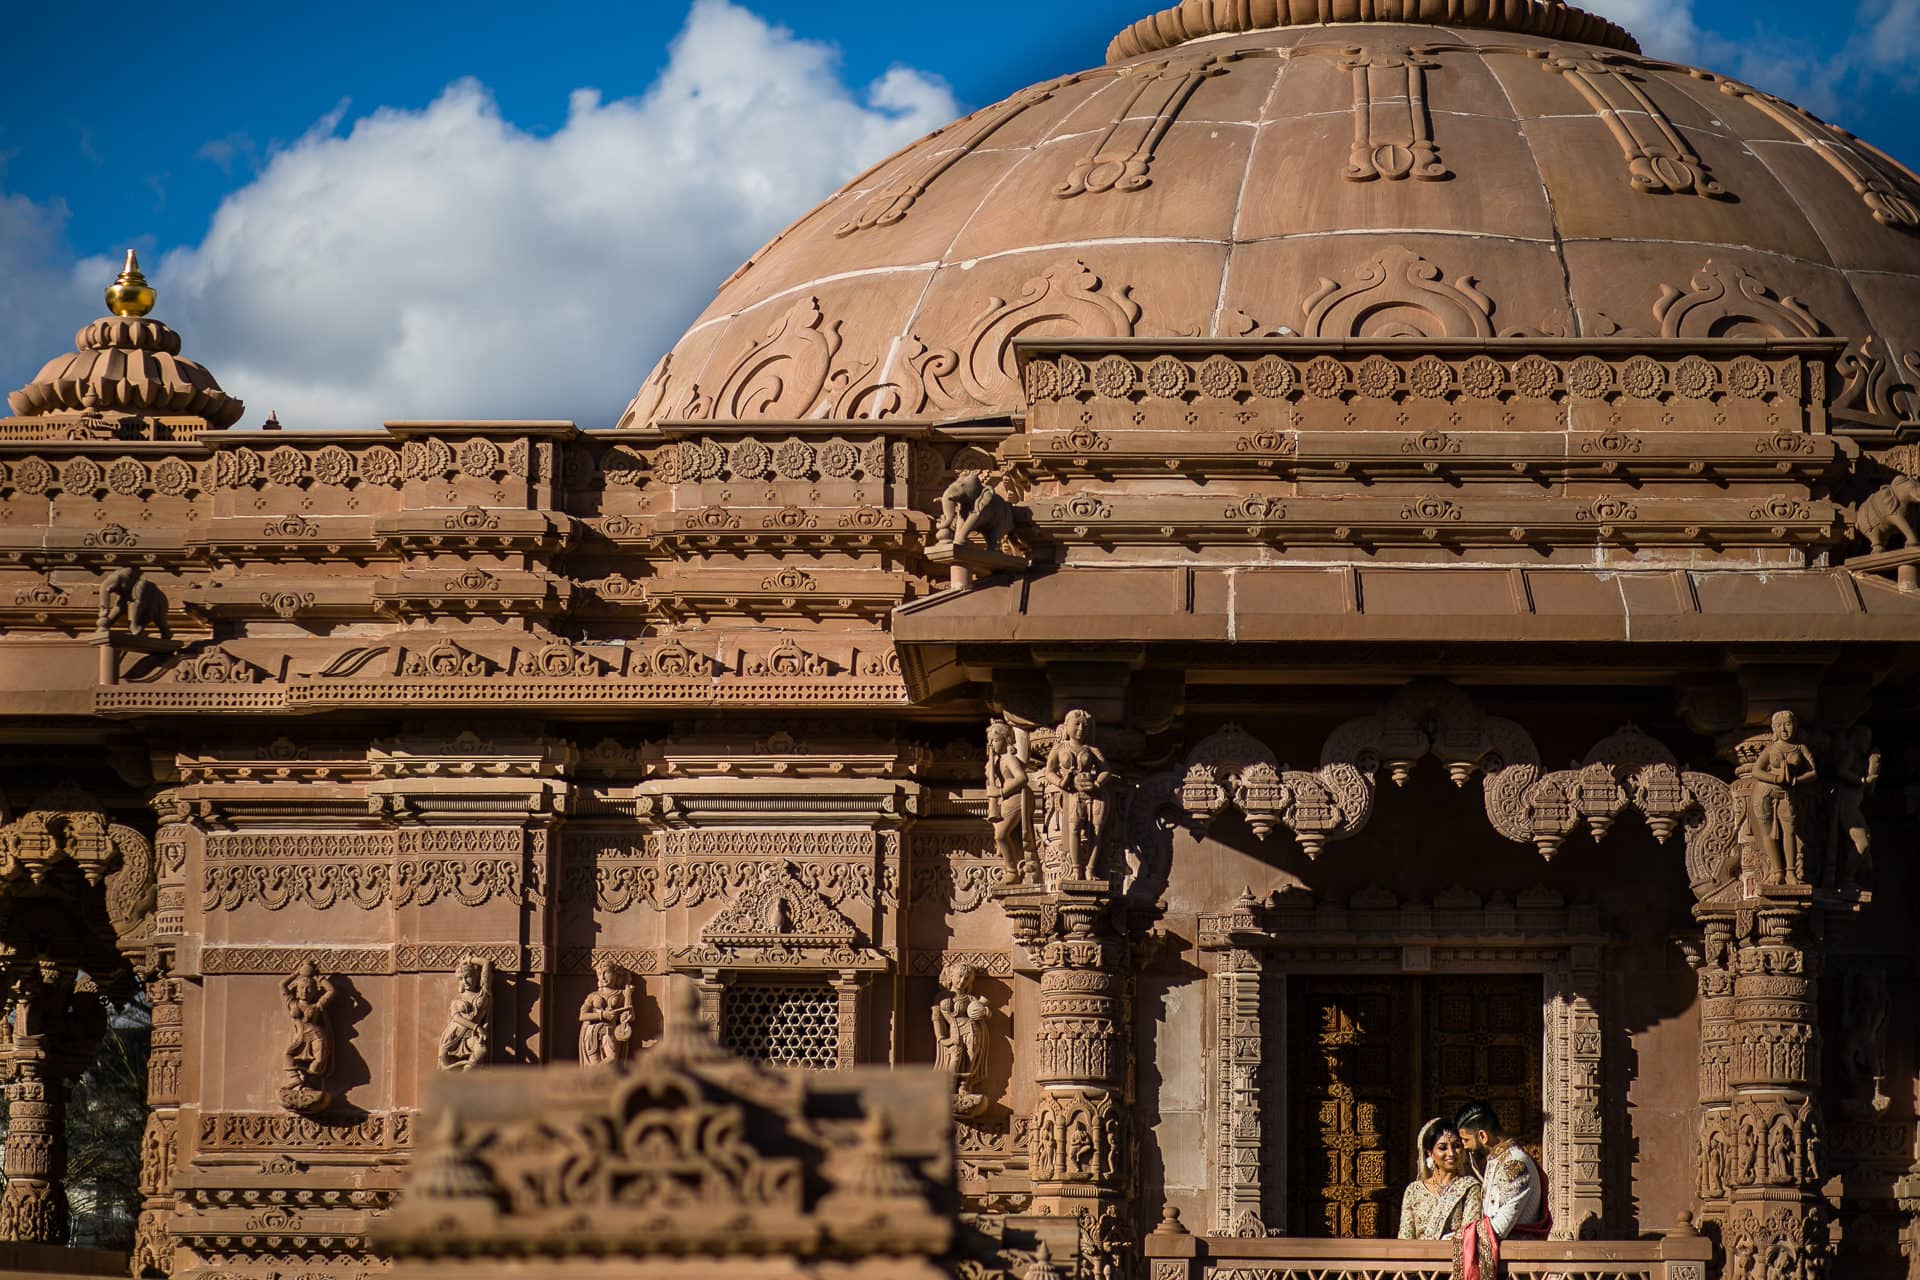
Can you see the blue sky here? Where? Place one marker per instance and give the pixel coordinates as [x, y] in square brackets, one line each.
[223, 137]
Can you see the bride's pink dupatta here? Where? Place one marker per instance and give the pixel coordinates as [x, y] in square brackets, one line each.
[1477, 1252]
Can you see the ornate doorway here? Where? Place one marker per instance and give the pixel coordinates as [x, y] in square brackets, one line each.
[1373, 1058]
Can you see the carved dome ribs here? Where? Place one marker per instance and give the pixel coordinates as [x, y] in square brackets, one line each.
[1402, 175]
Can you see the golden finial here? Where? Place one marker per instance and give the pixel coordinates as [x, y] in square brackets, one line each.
[130, 294]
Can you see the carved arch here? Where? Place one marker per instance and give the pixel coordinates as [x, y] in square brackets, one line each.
[1627, 769]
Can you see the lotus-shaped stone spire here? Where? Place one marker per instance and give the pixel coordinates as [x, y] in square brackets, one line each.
[127, 364]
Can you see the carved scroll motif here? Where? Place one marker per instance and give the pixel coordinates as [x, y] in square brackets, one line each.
[1725, 300]
[1392, 131]
[1065, 300]
[783, 375]
[1872, 391]
[892, 202]
[1889, 205]
[1121, 159]
[1659, 160]
[1398, 295]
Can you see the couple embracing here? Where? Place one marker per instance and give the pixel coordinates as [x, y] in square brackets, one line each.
[1505, 1197]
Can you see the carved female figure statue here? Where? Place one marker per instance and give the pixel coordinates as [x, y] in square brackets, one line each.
[959, 1037]
[1779, 805]
[309, 1056]
[463, 1045]
[1009, 799]
[1076, 778]
[606, 1017]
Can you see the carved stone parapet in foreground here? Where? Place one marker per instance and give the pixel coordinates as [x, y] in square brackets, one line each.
[686, 1162]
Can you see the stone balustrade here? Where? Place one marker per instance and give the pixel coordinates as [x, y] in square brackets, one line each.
[1179, 1256]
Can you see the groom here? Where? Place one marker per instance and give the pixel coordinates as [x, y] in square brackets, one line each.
[1514, 1192]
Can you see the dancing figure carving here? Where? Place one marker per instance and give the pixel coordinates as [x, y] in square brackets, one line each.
[309, 1055]
[606, 1017]
[959, 1037]
[463, 1045]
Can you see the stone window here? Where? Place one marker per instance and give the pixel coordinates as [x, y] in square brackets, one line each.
[783, 1024]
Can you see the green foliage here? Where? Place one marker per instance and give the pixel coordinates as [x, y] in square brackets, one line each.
[106, 1118]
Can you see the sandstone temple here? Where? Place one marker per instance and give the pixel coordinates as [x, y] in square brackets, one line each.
[1359, 556]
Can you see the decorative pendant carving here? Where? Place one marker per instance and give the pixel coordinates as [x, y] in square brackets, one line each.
[1659, 160]
[1121, 158]
[1398, 295]
[1392, 131]
[1525, 805]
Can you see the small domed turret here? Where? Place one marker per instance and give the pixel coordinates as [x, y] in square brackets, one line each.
[124, 379]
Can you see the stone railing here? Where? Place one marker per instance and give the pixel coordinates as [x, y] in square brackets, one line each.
[1178, 1256]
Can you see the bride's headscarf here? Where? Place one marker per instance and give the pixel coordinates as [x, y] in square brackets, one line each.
[1429, 1134]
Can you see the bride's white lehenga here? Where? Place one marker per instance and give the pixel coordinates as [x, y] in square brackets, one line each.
[1429, 1215]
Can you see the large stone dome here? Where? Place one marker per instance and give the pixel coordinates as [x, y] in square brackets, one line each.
[1279, 167]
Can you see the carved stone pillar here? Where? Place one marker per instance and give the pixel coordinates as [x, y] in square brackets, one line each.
[1712, 962]
[1776, 1222]
[55, 1030]
[1080, 1144]
[1575, 1136]
[1239, 1187]
[847, 985]
[153, 1245]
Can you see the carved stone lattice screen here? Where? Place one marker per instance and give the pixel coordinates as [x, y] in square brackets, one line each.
[783, 1024]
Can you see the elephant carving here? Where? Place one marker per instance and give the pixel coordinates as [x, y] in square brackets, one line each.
[1889, 510]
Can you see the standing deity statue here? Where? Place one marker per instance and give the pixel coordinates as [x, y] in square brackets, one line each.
[606, 1017]
[1781, 802]
[959, 1037]
[1009, 799]
[463, 1045]
[1856, 768]
[309, 1056]
[1076, 781]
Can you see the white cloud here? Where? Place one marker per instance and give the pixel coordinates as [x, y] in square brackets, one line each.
[1892, 32]
[1664, 28]
[445, 263]
[42, 299]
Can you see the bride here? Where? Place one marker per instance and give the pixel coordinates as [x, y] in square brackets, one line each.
[1444, 1196]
